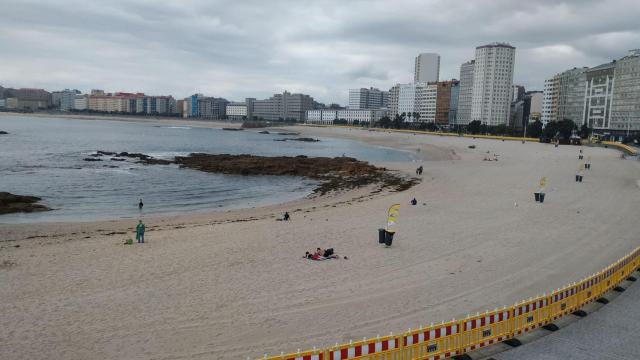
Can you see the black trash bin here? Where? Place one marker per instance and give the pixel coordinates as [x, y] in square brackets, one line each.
[389, 238]
[537, 196]
[382, 233]
[541, 197]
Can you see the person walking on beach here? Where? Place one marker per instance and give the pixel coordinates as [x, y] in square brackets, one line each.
[140, 232]
[140, 205]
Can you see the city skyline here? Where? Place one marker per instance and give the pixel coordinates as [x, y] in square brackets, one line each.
[322, 49]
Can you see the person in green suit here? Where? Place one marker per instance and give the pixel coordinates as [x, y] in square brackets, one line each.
[140, 232]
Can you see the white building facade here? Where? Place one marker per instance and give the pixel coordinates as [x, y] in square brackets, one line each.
[550, 100]
[236, 111]
[425, 103]
[364, 98]
[427, 68]
[492, 83]
[67, 98]
[465, 94]
[625, 102]
[81, 102]
[351, 116]
[406, 99]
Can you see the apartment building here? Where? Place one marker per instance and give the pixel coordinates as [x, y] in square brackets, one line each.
[493, 83]
[427, 68]
[465, 94]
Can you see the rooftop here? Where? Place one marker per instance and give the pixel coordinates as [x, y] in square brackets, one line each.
[496, 44]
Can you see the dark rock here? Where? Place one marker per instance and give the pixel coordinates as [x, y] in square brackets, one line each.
[91, 159]
[288, 133]
[334, 173]
[233, 129]
[117, 159]
[11, 203]
[304, 139]
[109, 153]
[3, 133]
[255, 124]
[263, 132]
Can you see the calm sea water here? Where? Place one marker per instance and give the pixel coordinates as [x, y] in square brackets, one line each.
[44, 157]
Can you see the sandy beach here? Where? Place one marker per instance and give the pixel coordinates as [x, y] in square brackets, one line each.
[233, 284]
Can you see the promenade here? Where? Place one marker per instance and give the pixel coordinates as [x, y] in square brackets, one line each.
[611, 332]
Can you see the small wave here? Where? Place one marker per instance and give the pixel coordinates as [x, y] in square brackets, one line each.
[177, 127]
[168, 155]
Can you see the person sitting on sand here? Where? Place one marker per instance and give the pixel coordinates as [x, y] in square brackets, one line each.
[414, 202]
[286, 216]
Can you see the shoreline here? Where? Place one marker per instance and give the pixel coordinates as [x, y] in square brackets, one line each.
[302, 130]
[232, 284]
[130, 118]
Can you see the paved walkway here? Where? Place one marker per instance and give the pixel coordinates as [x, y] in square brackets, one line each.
[612, 332]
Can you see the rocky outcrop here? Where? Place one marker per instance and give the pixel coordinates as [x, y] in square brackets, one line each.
[120, 157]
[3, 132]
[10, 203]
[334, 173]
[109, 153]
[303, 139]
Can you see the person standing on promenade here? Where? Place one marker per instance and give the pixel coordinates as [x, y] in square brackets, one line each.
[140, 205]
[140, 232]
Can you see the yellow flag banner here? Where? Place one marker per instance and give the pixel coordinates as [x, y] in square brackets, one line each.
[392, 216]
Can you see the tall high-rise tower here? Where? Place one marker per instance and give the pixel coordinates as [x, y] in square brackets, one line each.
[492, 83]
[427, 68]
[465, 95]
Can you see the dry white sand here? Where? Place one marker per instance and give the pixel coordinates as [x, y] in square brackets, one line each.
[209, 286]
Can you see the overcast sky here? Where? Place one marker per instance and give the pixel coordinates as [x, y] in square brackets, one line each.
[238, 49]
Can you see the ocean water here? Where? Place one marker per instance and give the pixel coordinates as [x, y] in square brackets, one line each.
[44, 157]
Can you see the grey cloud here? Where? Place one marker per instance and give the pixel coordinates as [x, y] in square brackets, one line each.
[366, 73]
[238, 49]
